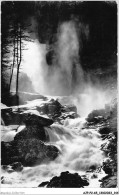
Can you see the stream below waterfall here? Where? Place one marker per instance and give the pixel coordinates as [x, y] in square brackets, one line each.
[79, 151]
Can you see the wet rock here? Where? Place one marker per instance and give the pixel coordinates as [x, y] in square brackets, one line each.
[32, 119]
[33, 151]
[110, 163]
[109, 182]
[32, 131]
[54, 106]
[58, 112]
[69, 108]
[71, 115]
[17, 166]
[104, 130]
[43, 184]
[10, 117]
[93, 167]
[97, 116]
[110, 145]
[34, 127]
[108, 169]
[31, 114]
[28, 151]
[67, 180]
[109, 114]
[109, 166]
[50, 107]
[18, 117]
[9, 153]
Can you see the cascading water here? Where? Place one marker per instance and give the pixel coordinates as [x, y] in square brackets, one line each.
[79, 147]
[65, 71]
[79, 150]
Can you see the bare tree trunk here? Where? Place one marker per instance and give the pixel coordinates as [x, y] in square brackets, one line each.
[12, 67]
[18, 60]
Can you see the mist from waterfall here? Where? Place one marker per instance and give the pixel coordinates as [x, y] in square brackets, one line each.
[66, 72]
[65, 76]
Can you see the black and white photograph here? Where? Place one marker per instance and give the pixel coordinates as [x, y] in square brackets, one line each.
[59, 95]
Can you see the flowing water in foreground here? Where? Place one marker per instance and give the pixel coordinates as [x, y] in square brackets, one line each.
[79, 147]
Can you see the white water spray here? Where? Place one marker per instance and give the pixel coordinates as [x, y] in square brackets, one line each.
[79, 150]
[65, 76]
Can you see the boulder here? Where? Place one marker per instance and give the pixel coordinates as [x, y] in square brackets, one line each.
[17, 166]
[32, 119]
[54, 106]
[109, 182]
[18, 117]
[104, 129]
[97, 116]
[32, 113]
[50, 107]
[43, 184]
[109, 166]
[9, 153]
[28, 151]
[69, 108]
[30, 132]
[66, 180]
[11, 117]
[110, 145]
[33, 151]
[56, 111]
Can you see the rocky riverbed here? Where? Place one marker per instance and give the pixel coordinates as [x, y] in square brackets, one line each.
[45, 143]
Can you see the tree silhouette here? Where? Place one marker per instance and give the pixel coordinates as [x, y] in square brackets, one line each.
[15, 32]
